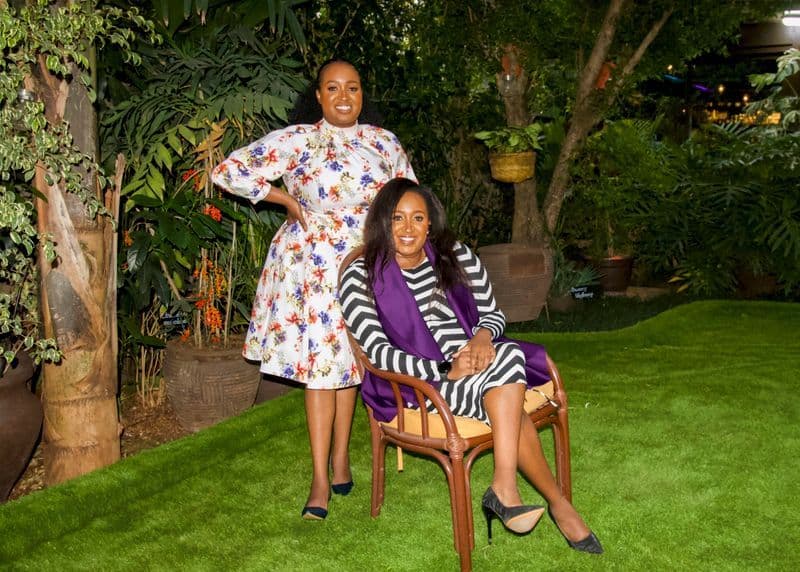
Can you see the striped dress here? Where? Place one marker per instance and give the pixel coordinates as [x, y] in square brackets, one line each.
[464, 396]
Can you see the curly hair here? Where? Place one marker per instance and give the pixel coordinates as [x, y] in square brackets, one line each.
[379, 239]
[308, 110]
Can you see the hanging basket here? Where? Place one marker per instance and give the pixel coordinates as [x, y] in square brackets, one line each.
[512, 167]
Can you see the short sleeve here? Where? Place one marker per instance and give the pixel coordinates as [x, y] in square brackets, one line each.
[249, 171]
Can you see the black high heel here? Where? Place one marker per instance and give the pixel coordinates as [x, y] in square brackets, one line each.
[314, 513]
[520, 519]
[342, 488]
[590, 544]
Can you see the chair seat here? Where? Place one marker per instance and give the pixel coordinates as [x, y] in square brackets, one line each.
[467, 426]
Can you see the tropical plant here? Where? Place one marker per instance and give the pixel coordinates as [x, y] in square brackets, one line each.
[192, 256]
[618, 180]
[19, 292]
[567, 274]
[781, 89]
[735, 206]
[512, 139]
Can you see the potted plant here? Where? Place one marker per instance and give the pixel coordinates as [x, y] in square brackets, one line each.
[618, 182]
[512, 151]
[567, 277]
[174, 224]
[197, 272]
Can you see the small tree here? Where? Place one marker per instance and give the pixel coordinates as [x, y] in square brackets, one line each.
[49, 139]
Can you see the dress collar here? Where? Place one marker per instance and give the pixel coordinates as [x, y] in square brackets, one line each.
[345, 132]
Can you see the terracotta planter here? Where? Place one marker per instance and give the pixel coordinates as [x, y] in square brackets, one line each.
[563, 303]
[512, 167]
[208, 385]
[20, 422]
[615, 272]
[520, 279]
[751, 285]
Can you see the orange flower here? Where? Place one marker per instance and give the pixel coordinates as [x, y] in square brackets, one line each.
[126, 238]
[188, 175]
[213, 318]
[185, 334]
[213, 212]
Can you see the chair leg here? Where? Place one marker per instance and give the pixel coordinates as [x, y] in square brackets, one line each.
[378, 467]
[562, 454]
[461, 505]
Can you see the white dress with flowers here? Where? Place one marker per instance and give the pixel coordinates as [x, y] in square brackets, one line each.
[296, 328]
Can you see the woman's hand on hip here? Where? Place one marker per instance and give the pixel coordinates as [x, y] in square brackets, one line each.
[294, 213]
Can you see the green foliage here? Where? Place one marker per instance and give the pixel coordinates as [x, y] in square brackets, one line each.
[619, 178]
[568, 275]
[214, 87]
[181, 16]
[60, 37]
[512, 139]
[735, 205]
[781, 88]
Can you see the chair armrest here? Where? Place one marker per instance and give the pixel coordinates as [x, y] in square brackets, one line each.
[559, 393]
[422, 391]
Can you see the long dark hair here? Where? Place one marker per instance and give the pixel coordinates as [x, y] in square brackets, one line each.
[308, 110]
[379, 241]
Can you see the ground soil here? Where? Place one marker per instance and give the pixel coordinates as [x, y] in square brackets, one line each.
[144, 428]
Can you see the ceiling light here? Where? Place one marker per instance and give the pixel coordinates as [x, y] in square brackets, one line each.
[791, 17]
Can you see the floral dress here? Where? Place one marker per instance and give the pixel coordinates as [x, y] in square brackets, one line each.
[296, 327]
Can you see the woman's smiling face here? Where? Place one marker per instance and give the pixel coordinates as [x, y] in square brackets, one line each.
[339, 94]
[410, 224]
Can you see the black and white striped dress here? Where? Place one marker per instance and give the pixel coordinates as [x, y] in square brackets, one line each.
[464, 396]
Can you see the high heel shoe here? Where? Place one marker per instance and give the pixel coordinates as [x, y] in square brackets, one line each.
[520, 519]
[314, 513]
[342, 488]
[590, 544]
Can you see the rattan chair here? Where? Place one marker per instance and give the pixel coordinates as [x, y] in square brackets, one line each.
[455, 442]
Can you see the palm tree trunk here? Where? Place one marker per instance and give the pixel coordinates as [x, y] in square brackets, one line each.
[78, 301]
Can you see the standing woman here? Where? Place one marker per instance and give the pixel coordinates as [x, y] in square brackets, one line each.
[332, 167]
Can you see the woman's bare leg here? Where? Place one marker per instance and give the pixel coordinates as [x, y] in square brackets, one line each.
[503, 405]
[320, 413]
[533, 465]
[342, 424]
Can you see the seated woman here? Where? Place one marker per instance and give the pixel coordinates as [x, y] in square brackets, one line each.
[420, 303]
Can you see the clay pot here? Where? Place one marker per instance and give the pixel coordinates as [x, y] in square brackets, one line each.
[615, 272]
[208, 385]
[563, 303]
[20, 421]
[520, 278]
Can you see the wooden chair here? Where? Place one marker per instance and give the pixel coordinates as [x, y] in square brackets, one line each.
[455, 442]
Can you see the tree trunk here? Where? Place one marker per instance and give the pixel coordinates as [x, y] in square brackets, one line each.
[591, 104]
[78, 295]
[527, 226]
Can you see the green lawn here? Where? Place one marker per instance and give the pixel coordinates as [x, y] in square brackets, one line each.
[685, 449]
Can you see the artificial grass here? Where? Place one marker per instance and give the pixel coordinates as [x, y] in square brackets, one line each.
[684, 449]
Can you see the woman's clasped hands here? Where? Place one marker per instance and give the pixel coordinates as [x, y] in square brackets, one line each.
[475, 356]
